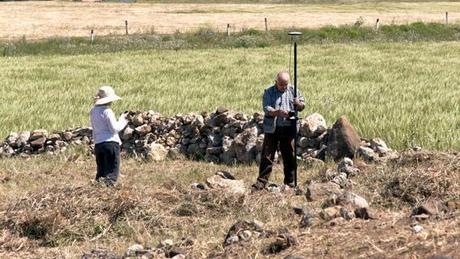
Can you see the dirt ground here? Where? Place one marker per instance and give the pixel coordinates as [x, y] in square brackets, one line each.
[35, 20]
[49, 209]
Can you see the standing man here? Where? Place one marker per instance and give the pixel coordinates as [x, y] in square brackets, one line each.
[280, 130]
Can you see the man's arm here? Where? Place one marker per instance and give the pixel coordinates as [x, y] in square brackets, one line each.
[299, 102]
[268, 109]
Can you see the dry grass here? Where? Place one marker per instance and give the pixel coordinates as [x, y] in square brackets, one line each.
[50, 208]
[35, 20]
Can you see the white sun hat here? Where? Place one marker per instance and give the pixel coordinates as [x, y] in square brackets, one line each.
[105, 95]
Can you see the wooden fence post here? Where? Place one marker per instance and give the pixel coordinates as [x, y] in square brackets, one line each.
[447, 18]
[228, 29]
[266, 24]
[126, 26]
[92, 35]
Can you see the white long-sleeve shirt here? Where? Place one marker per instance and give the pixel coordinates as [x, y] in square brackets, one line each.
[105, 125]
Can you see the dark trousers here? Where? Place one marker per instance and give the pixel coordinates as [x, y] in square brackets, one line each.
[108, 162]
[284, 138]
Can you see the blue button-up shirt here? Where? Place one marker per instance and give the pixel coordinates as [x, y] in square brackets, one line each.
[277, 100]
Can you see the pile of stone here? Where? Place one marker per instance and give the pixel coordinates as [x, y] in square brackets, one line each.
[25, 143]
[245, 231]
[223, 136]
[338, 201]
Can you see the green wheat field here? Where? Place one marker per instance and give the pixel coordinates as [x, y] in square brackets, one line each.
[405, 93]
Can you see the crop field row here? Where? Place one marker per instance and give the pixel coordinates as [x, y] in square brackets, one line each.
[407, 94]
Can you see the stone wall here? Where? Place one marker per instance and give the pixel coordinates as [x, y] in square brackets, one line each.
[223, 136]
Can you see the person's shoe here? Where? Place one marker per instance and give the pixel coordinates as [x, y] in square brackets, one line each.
[257, 186]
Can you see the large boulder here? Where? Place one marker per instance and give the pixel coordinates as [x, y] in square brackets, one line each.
[313, 125]
[343, 140]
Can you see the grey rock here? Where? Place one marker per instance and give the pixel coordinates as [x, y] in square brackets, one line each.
[38, 134]
[346, 214]
[379, 146]
[321, 191]
[365, 213]
[311, 162]
[350, 198]
[227, 185]
[225, 175]
[309, 219]
[38, 142]
[214, 150]
[67, 136]
[341, 180]
[303, 142]
[241, 226]
[330, 213]
[137, 120]
[430, 207]
[134, 250]
[157, 152]
[143, 129]
[313, 125]
[245, 235]
[283, 242]
[127, 133]
[245, 144]
[23, 138]
[346, 166]
[12, 138]
[231, 240]
[367, 154]
[329, 174]
[54, 137]
[199, 186]
[260, 142]
[174, 153]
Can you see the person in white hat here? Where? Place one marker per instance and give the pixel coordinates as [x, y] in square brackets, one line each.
[105, 135]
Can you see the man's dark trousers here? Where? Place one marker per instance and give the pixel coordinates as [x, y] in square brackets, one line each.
[108, 161]
[284, 137]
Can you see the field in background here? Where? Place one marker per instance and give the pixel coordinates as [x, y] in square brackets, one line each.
[406, 94]
[36, 20]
